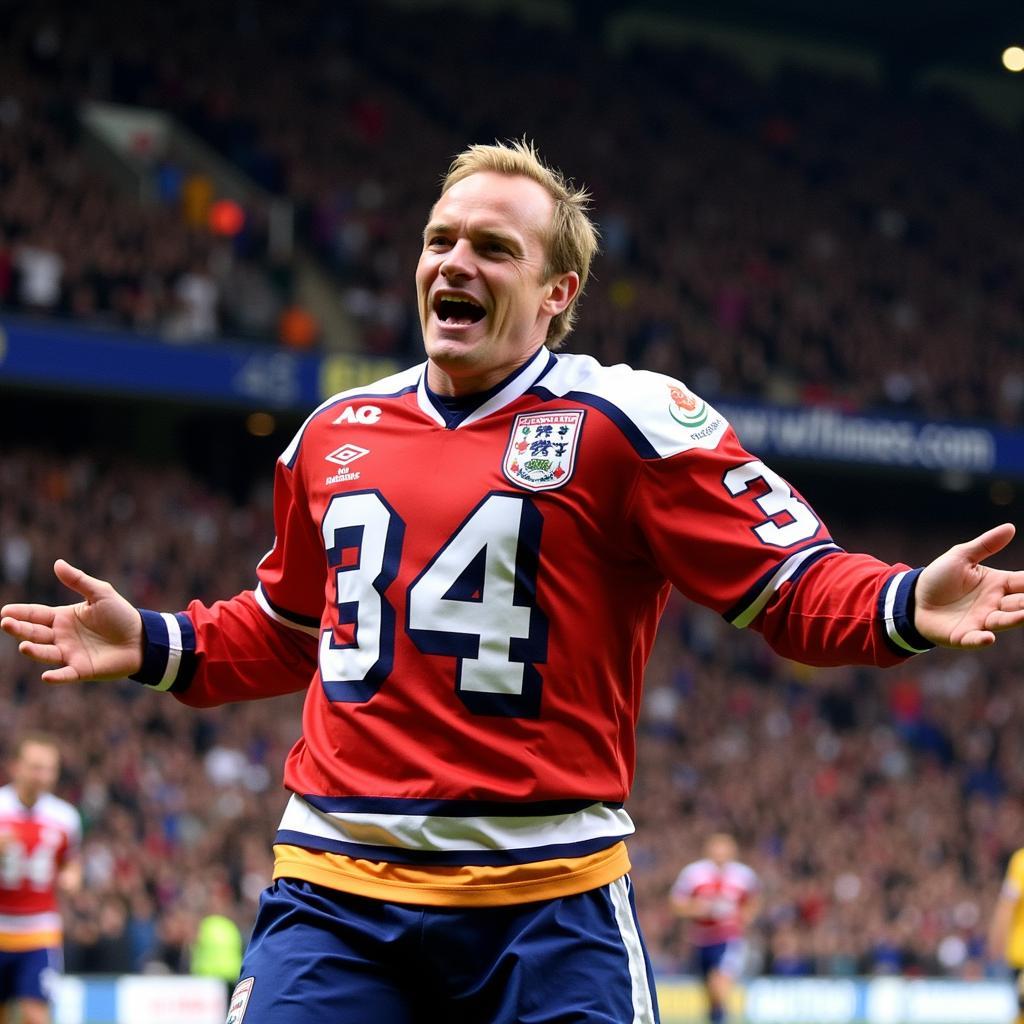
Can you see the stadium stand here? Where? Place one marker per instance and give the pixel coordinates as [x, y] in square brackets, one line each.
[804, 240]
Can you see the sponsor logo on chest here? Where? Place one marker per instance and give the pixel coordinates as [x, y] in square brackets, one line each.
[365, 414]
[344, 457]
[541, 451]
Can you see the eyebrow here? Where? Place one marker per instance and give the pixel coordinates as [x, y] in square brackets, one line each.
[487, 234]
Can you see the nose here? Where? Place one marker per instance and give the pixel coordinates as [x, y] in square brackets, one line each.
[458, 262]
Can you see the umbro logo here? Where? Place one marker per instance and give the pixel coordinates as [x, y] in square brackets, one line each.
[344, 457]
[347, 454]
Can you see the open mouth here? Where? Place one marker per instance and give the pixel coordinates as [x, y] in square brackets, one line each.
[458, 309]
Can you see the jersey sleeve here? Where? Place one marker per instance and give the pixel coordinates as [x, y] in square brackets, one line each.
[733, 535]
[751, 884]
[260, 643]
[683, 887]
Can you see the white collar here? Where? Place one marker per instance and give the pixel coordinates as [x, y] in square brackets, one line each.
[516, 384]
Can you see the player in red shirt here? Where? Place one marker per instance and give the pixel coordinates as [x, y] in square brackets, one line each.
[40, 835]
[470, 563]
[719, 897]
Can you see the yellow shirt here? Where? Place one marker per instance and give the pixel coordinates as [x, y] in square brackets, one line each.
[1013, 888]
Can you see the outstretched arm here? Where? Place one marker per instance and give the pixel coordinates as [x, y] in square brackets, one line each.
[963, 604]
[97, 638]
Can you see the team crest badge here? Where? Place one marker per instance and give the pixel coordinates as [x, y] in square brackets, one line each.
[541, 452]
[240, 1000]
[686, 408]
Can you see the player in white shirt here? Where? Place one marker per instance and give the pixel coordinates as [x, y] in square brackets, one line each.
[719, 897]
[40, 836]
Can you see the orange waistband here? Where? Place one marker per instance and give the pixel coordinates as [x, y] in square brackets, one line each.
[464, 886]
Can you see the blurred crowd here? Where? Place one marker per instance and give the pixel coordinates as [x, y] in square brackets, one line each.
[812, 238]
[878, 808]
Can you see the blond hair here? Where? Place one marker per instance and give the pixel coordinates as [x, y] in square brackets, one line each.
[36, 738]
[571, 241]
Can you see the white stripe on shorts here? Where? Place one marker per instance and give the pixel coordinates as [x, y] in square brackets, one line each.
[643, 1004]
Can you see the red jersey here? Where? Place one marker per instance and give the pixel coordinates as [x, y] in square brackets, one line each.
[470, 598]
[35, 842]
[725, 888]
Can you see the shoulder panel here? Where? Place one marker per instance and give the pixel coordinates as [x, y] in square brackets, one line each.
[387, 387]
[658, 415]
[61, 812]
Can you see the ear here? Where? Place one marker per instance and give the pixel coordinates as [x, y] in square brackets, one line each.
[562, 289]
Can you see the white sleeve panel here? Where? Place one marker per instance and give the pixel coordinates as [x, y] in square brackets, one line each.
[659, 415]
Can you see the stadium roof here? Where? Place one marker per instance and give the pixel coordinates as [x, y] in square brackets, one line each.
[970, 34]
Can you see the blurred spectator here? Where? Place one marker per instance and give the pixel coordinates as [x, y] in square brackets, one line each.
[40, 270]
[297, 327]
[195, 318]
[217, 950]
[99, 941]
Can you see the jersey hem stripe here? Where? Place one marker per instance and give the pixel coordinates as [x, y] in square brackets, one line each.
[455, 839]
[446, 858]
[452, 808]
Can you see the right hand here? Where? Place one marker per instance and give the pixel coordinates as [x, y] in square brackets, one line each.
[96, 639]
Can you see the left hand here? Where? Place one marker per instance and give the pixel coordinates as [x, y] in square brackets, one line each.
[962, 603]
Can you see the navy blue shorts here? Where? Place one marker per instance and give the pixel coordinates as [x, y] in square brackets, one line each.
[327, 957]
[726, 957]
[29, 975]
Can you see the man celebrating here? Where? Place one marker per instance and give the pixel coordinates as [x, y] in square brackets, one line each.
[40, 836]
[470, 563]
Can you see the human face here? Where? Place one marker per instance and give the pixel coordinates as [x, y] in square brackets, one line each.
[721, 848]
[35, 771]
[484, 303]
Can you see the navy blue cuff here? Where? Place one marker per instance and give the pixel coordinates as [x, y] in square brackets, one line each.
[896, 612]
[168, 651]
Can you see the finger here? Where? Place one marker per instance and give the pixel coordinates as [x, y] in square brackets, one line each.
[64, 674]
[1013, 583]
[82, 583]
[989, 543]
[41, 613]
[974, 639]
[1002, 619]
[47, 653]
[21, 630]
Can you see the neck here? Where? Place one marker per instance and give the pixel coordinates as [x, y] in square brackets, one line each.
[28, 798]
[443, 381]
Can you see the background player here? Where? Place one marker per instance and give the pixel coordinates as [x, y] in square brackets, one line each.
[1006, 932]
[40, 835]
[466, 580]
[719, 897]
